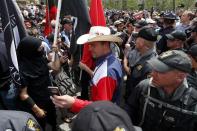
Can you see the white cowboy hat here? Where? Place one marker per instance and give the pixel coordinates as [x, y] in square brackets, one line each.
[98, 33]
[150, 21]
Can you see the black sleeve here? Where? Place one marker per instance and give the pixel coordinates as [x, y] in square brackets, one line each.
[133, 104]
[161, 45]
[24, 82]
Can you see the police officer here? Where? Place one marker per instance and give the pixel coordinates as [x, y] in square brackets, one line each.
[164, 102]
[10, 121]
[191, 34]
[140, 69]
[168, 27]
[176, 39]
[192, 77]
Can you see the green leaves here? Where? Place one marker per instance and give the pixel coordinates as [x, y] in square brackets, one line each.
[158, 4]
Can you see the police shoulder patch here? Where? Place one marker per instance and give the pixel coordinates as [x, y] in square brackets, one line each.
[139, 67]
[149, 75]
[166, 54]
[33, 125]
[119, 129]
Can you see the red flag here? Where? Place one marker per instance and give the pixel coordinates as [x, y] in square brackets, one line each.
[97, 14]
[97, 18]
[51, 12]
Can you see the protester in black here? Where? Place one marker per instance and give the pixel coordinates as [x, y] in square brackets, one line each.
[35, 79]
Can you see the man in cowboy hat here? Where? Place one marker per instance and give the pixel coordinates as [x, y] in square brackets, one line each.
[105, 83]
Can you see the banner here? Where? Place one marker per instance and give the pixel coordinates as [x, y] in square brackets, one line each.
[51, 11]
[97, 18]
[77, 9]
[14, 31]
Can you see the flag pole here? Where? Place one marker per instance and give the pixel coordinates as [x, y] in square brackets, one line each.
[57, 22]
[48, 13]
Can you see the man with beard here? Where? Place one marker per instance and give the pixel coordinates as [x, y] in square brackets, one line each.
[145, 46]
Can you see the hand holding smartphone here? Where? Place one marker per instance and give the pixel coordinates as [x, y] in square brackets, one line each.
[54, 90]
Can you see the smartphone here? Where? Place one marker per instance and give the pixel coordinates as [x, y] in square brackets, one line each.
[54, 90]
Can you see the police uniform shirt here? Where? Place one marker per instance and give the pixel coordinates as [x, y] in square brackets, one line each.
[153, 110]
[141, 69]
[192, 79]
[132, 56]
[18, 121]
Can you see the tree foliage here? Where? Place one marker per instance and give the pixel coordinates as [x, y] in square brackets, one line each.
[157, 4]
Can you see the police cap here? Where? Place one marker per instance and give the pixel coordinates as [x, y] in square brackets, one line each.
[177, 34]
[193, 51]
[171, 60]
[148, 33]
[170, 15]
[102, 116]
[141, 23]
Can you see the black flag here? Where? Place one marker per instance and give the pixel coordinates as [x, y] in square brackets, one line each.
[14, 31]
[78, 9]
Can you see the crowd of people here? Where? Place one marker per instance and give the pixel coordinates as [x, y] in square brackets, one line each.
[144, 62]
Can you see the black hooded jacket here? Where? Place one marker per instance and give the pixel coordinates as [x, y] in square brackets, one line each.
[33, 69]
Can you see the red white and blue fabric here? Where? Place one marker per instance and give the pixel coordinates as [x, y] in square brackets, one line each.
[105, 84]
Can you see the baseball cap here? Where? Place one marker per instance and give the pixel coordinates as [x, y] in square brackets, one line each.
[192, 51]
[102, 116]
[66, 21]
[170, 15]
[148, 33]
[177, 34]
[141, 23]
[170, 60]
[117, 22]
[131, 21]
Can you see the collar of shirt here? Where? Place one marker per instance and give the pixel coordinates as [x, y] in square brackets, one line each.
[177, 94]
[149, 52]
[103, 58]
